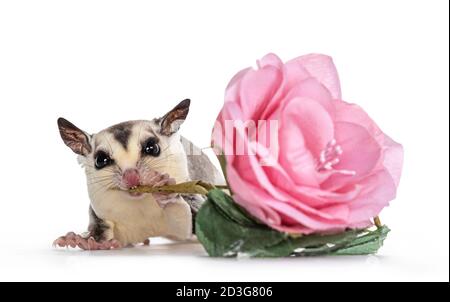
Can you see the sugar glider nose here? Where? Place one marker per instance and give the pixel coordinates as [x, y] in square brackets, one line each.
[131, 178]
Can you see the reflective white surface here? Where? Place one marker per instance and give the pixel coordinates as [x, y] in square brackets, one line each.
[97, 63]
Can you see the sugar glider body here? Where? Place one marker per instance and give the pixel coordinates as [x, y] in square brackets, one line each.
[127, 155]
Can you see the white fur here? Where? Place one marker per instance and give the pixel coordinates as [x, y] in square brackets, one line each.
[134, 219]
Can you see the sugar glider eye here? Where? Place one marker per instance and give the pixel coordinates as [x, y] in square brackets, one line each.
[102, 160]
[151, 147]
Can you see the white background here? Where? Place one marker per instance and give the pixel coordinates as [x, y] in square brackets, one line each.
[101, 62]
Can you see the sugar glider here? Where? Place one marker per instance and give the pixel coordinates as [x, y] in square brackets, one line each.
[142, 152]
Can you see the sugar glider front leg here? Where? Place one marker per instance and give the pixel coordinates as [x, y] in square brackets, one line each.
[99, 236]
[178, 218]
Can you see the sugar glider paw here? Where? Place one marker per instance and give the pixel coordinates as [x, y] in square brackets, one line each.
[156, 179]
[161, 180]
[86, 243]
[164, 199]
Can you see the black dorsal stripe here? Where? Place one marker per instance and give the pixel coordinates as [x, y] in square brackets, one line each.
[122, 133]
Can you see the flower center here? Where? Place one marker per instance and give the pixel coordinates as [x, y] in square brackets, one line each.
[329, 157]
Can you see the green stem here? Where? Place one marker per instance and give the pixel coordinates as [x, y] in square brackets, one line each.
[223, 166]
[190, 187]
[222, 187]
[377, 222]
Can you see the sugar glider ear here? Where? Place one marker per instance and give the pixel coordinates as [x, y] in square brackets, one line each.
[171, 122]
[74, 138]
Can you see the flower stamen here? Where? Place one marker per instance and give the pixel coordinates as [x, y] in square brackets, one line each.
[329, 157]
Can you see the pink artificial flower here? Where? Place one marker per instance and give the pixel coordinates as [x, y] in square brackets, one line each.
[333, 167]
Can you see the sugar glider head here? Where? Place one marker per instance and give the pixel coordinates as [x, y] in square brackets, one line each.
[130, 153]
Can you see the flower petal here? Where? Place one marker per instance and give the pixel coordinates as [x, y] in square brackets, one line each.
[360, 153]
[256, 90]
[310, 119]
[312, 89]
[270, 59]
[250, 196]
[232, 90]
[322, 68]
[306, 219]
[292, 75]
[352, 113]
[393, 158]
[222, 138]
[313, 197]
[379, 189]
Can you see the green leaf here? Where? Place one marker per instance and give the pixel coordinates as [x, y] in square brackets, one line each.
[282, 249]
[367, 243]
[226, 230]
[229, 208]
[309, 245]
[224, 237]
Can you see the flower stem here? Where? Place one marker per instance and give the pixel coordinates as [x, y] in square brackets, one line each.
[223, 166]
[190, 187]
[222, 187]
[377, 222]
